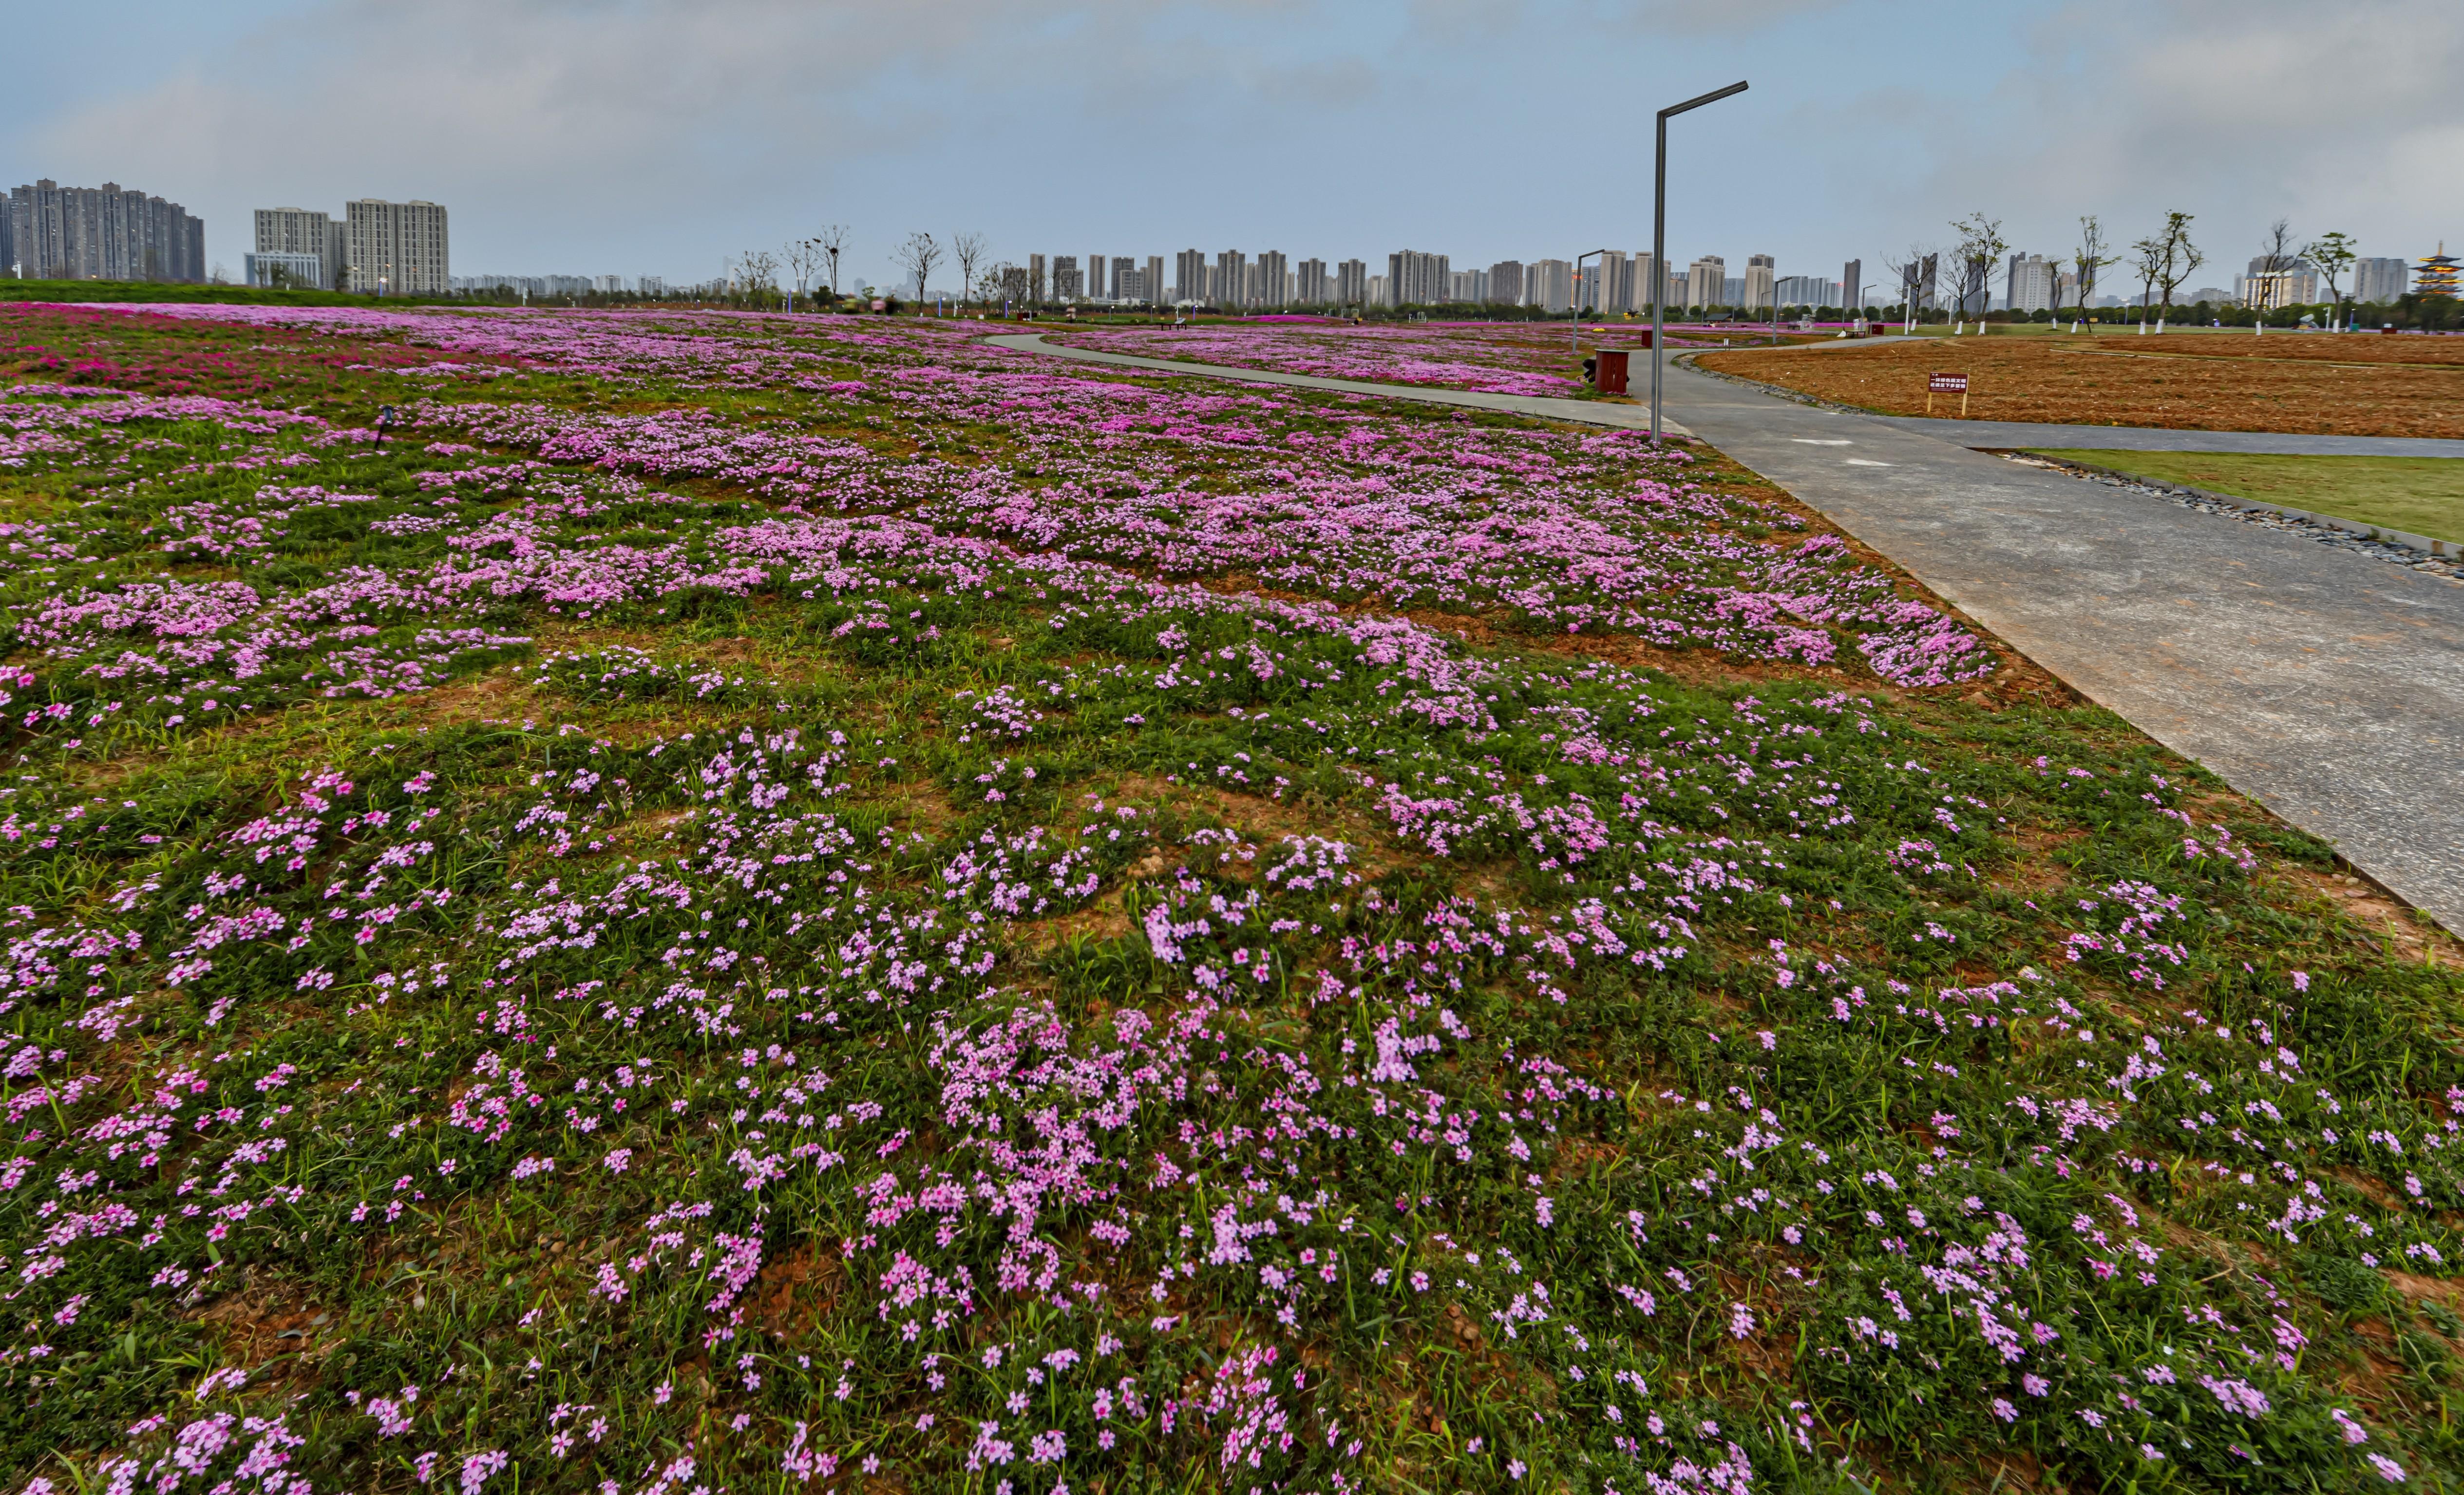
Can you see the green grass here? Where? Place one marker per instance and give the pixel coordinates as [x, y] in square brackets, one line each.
[1888, 1089]
[2421, 496]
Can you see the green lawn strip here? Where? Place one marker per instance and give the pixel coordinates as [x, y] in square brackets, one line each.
[2421, 496]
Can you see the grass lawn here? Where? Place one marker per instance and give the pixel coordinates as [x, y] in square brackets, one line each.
[773, 904]
[2420, 495]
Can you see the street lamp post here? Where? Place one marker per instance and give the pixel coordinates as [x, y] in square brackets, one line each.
[1574, 334]
[1660, 241]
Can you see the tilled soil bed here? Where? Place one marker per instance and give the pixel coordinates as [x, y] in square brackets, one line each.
[2355, 385]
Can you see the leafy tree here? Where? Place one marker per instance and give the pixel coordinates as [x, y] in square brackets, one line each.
[2333, 254]
[1980, 245]
[2147, 257]
[2177, 260]
[2090, 259]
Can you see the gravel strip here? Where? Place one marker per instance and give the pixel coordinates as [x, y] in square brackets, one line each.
[2323, 533]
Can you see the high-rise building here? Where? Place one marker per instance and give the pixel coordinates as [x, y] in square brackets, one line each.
[2381, 280]
[1312, 287]
[1274, 280]
[1807, 291]
[1093, 284]
[1617, 282]
[1154, 279]
[1418, 279]
[108, 233]
[1036, 281]
[1506, 282]
[1069, 282]
[1352, 283]
[1380, 292]
[395, 249]
[1189, 275]
[289, 271]
[1128, 284]
[1852, 287]
[1231, 279]
[651, 285]
[1706, 282]
[2293, 282]
[1548, 284]
[2029, 283]
[300, 231]
[1761, 272]
[1671, 288]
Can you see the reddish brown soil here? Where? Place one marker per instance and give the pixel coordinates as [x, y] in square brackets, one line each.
[2320, 384]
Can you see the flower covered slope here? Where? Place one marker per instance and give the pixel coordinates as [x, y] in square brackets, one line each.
[1511, 358]
[802, 904]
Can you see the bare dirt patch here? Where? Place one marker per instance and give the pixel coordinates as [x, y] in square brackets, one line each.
[2323, 384]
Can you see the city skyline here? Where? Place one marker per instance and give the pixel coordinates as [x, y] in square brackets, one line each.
[774, 123]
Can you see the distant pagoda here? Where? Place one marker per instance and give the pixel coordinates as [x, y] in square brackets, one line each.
[2437, 273]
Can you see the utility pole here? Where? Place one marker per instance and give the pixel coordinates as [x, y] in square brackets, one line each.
[1660, 241]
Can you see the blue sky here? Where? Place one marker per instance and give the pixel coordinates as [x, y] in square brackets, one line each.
[659, 136]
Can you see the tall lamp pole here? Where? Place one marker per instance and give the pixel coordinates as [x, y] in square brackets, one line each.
[1574, 334]
[1660, 241]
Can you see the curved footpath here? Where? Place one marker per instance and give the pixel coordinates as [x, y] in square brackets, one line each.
[1590, 412]
[2324, 684]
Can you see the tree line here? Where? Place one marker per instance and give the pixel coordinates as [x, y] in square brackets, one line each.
[1960, 278]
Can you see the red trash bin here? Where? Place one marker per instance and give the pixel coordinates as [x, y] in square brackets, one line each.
[1611, 375]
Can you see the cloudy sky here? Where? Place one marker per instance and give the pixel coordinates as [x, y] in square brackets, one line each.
[659, 136]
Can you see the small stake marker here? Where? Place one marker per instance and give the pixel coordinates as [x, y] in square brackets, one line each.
[1946, 384]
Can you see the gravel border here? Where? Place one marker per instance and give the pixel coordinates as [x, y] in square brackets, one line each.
[2325, 533]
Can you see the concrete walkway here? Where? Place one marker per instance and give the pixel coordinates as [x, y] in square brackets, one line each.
[2326, 685]
[1589, 412]
[2004, 436]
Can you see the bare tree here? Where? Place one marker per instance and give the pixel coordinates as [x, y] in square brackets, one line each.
[760, 269]
[2275, 256]
[831, 241]
[1011, 281]
[2179, 259]
[803, 257]
[2147, 257]
[2332, 255]
[1980, 245]
[919, 254]
[1914, 272]
[2090, 259]
[969, 250]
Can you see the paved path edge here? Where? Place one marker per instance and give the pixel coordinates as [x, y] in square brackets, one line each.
[1620, 417]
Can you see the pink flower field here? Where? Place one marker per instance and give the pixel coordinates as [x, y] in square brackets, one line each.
[657, 903]
[1507, 358]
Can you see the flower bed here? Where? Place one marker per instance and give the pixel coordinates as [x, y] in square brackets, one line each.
[793, 902]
